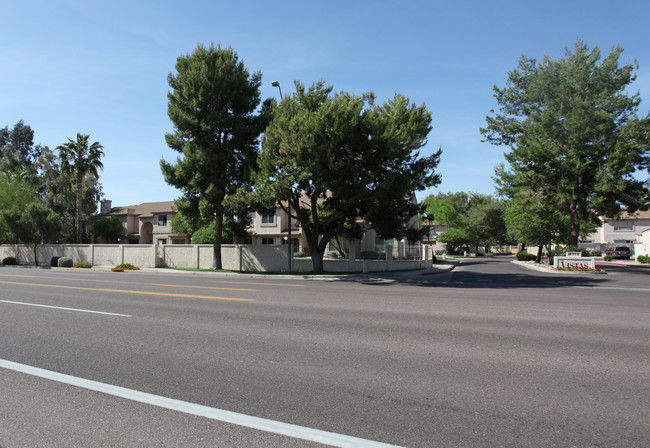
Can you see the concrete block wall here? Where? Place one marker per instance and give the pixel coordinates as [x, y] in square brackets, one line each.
[179, 256]
[141, 255]
[107, 255]
[206, 255]
[230, 256]
[253, 258]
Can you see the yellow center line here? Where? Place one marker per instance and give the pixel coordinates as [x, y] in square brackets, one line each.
[137, 283]
[169, 294]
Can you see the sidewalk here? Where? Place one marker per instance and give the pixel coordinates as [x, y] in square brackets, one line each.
[439, 268]
[442, 268]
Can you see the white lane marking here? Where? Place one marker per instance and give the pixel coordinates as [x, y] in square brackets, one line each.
[65, 309]
[262, 424]
[255, 283]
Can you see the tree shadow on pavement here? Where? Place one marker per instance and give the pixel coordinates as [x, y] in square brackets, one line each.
[481, 280]
[519, 280]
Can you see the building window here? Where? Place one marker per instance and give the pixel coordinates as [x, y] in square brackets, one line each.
[267, 240]
[162, 241]
[268, 218]
[624, 226]
[162, 220]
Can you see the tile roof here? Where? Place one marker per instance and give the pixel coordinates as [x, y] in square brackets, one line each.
[640, 214]
[144, 210]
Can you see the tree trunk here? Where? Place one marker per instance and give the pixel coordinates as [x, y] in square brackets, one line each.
[315, 251]
[317, 261]
[540, 249]
[218, 235]
[78, 208]
[575, 225]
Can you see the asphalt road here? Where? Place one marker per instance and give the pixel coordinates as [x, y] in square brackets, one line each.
[491, 354]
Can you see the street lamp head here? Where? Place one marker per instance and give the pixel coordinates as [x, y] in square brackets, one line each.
[277, 84]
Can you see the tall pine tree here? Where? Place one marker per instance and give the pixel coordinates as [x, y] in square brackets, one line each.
[212, 105]
[573, 135]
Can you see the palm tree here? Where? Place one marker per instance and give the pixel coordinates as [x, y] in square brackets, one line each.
[78, 160]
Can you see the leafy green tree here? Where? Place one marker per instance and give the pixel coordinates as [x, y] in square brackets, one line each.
[80, 159]
[461, 202]
[204, 235]
[534, 219]
[455, 238]
[474, 219]
[441, 212]
[107, 228]
[17, 150]
[485, 223]
[236, 222]
[24, 219]
[212, 106]
[574, 134]
[330, 159]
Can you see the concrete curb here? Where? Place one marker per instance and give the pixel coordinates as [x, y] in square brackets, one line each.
[624, 264]
[443, 271]
[548, 270]
[306, 276]
[452, 263]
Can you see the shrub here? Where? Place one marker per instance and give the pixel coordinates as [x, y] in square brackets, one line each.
[440, 252]
[608, 258]
[83, 265]
[596, 253]
[525, 256]
[9, 261]
[54, 261]
[334, 254]
[125, 267]
[434, 259]
[65, 262]
[300, 254]
[643, 259]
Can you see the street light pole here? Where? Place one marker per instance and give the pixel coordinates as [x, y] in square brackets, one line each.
[277, 84]
[290, 253]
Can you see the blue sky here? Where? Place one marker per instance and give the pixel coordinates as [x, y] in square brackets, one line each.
[101, 67]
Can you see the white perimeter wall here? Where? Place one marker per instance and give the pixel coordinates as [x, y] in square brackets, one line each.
[643, 247]
[248, 258]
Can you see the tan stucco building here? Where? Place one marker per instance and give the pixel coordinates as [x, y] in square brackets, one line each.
[146, 223]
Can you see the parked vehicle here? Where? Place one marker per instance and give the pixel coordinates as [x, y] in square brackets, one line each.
[621, 252]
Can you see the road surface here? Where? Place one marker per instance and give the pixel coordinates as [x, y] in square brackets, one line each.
[491, 354]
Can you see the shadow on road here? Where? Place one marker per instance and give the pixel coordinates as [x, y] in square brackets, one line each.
[482, 281]
[519, 280]
[496, 275]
